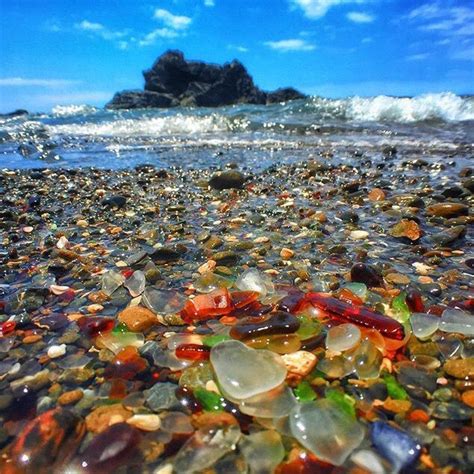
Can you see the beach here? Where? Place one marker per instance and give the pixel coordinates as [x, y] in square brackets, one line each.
[180, 284]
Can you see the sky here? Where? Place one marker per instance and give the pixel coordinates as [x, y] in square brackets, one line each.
[83, 51]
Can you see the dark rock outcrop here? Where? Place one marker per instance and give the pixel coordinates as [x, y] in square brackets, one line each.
[173, 81]
[15, 113]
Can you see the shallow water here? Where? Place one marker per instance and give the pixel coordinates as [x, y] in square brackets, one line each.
[252, 136]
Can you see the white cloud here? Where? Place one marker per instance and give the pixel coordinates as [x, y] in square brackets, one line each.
[290, 45]
[209, 3]
[154, 35]
[451, 21]
[418, 57]
[98, 29]
[452, 25]
[176, 22]
[90, 26]
[318, 8]
[24, 82]
[360, 17]
[239, 48]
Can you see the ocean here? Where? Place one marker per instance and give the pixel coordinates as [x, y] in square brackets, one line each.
[254, 137]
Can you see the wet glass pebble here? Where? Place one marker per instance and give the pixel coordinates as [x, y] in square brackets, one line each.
[424, 325]
[243, 372]
[397, 446]
[343, 337]
[262, 450]
[455, 320]
[325, 430]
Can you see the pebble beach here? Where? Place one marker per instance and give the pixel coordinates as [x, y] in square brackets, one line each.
[302, 305]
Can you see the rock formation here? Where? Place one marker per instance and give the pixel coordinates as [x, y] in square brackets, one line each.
[172, 81]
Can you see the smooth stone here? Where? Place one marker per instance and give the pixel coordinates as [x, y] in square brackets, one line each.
[227, 180]
[162, 396]
[424, 325]
[243, 372]
[460, 368]
[56, 351]
[395, 445]
[362, 273]
[137, 318]
[358, 234]
[145, 422]
[343, 337]
[447, 209]
[448, 236]
[327, 431]
[455, 320]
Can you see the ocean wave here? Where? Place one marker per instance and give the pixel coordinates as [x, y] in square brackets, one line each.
[169, 125]
[71, 110]
[446, 107]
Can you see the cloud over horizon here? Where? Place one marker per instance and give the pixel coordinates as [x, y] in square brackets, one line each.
[288, 45]
[315, 9]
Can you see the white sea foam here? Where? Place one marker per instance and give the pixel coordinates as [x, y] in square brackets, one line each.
[68, 110]
[445, 107]
[178, 124]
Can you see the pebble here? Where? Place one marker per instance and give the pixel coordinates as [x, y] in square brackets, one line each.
[335, 442]
[447, 209]
[243, 372]
[102, 417]
[358, 234]
[343, 337]
[56, 351]
[137, 318]
[227, 180]
[468, 398]
[68, 398]
[286, 253]
[300, 362]
[460, 368]
[145, 422]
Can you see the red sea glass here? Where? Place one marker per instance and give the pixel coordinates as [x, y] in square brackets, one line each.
[360, 315]
[192, 352]
[7, 327]
[92, 326]
[241, 299]
[202, 307]
[415, 302]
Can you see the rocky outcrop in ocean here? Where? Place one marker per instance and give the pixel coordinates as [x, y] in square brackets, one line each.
[173, 81]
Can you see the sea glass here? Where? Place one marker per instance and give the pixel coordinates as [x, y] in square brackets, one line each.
[136, 283]
[243, 372]
[455, 320]
[343, 337]
[279, 343]
[424, 325]
[254, 280]
[275, 403]
[111, 281]
[192, 352]
[202, 307]
[206, 446]
[326, 430]
[361, 316]
[400, 308]
[366, 359]
[279, 322]
[395, 445]
[262, 450]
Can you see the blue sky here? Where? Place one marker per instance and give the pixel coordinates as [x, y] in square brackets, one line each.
[73, 52]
